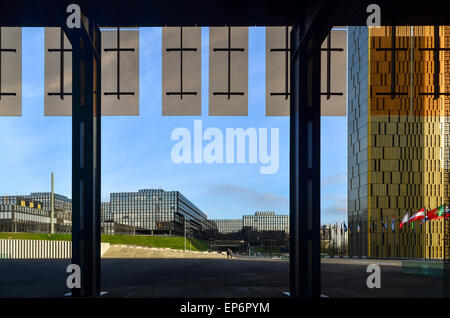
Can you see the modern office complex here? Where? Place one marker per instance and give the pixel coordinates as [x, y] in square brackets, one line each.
[105, 212]
[226, 226]
[155, 211]
[62, 203]
[32, 213]
[147, 212]
[262, 229]
[398, 144]
[260, 221]
[267, 221]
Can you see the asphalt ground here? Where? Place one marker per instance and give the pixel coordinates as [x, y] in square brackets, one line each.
[206, 278]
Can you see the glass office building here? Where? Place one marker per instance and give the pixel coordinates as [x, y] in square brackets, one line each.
[265, 230]
[259, 222]
[62, 203]
[105, 212]
[267, 221]
[226, 226]
[32, 213]
[155, 211]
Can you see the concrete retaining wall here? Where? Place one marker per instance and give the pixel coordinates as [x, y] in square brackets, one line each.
[39, 249]
[130, 251]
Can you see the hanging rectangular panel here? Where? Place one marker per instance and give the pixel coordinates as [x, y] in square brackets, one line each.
[277, 71]
[58, 73]
[228, 71]
[333, 99]
[333, 72]
[10, 71]
[120, 73]
[181, 71]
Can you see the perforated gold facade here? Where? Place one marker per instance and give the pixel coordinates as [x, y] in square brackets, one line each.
[407, 140]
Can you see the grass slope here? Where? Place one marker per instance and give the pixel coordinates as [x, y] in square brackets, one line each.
[173, 242]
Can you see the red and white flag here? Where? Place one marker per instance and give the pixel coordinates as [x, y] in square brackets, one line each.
[419, 215]
[404, 220]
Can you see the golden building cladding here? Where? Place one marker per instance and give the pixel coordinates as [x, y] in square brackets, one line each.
[407, 146]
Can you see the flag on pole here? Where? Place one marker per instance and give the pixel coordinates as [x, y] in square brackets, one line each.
[419, 215]
[424, 220]
[447, 213]
[405, 219]
[345, 227]
[393, 223]
[358, 229]
[437, 213]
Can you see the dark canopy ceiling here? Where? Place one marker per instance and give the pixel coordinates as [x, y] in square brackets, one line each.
[221, 12]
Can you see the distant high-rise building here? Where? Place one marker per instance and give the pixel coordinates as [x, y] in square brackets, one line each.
[398, 143]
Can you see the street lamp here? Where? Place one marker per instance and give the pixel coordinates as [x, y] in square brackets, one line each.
[172, 223]
[158, 214]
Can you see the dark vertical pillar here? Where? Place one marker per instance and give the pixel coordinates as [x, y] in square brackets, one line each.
[86, 118]
[305, 165]
[446, 257]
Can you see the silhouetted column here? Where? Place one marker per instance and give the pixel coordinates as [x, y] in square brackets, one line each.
[305, 166]
[86, 119]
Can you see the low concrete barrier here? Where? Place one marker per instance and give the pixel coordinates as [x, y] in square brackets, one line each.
[423, 268]
[131, 251]
[362, 261]
[39, 249]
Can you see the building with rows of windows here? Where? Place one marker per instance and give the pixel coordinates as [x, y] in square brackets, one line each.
[32, 213]
[226, 226]
[265, 230]
[398, 139]
[267, 221]
[260, 221]
[155, 211]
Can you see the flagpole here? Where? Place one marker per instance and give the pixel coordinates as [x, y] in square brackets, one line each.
[393, 232]
[425, 218]
[341, 238]
[359, 238]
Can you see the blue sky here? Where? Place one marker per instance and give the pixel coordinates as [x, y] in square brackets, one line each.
[136, 150]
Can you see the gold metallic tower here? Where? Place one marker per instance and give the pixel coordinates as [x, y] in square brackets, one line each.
[398, 138]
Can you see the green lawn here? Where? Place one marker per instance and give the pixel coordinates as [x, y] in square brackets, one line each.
[173, 242]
